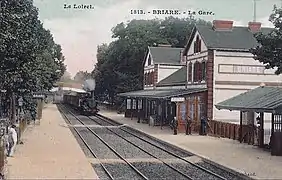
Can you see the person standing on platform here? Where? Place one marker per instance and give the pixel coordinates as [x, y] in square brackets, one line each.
[13, 138]
[188, 125]
[203, 125]
[174, 125]
[257, 130]
[139, 115]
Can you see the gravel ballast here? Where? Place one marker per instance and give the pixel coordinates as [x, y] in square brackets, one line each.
[100, 172]
[141, 154]
[122, 171]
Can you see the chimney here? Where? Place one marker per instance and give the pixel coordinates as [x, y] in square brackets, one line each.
[254, 26]
[222, 25]
[164, 45]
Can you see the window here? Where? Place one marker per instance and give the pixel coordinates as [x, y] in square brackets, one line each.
[199, 74]
[152, 77]
[195, 73]
[128, 104]
[133, 103]
[139, 103]
[149, 60]
[197, 45]
[192, 109]
[190, 72]
[204, 70]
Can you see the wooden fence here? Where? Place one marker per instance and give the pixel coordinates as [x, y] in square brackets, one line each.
[223, 129]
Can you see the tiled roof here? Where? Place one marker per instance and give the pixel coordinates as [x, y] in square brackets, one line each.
[239, 38]
[165, 55]
[261, 99]
[177, 78]
[161, 93]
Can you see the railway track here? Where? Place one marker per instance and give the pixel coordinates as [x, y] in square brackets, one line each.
[164, 162]
[135, 173]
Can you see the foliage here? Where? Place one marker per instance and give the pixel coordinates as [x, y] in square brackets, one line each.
[30, 59]
[119, 65]
[270, 50]
[66, 77]
[81, 76]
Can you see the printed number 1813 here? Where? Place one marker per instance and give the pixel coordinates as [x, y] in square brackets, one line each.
[137, 11]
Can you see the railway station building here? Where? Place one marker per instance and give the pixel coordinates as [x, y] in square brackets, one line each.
[215, 65]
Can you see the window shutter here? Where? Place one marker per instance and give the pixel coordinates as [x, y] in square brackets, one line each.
[199, 45]
[195, 46]
[195, 72]
[190, 72]
[152, 77]
[200, 76]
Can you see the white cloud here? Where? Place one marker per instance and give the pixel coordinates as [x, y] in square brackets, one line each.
[264, 22]
[79, 37]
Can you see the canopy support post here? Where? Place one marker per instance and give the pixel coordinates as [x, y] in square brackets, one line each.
[241, 128]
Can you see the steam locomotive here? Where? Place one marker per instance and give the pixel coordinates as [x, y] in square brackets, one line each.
[82, 102]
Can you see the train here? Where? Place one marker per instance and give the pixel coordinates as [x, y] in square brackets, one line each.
[82, 102]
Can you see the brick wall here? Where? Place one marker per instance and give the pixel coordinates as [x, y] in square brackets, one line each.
[210, 76]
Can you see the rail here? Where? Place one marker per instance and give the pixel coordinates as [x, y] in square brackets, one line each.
[85, 143]
[183, 174]
[113, 150]
[171, 153]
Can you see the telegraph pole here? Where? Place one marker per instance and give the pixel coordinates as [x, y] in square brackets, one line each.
[255, 10]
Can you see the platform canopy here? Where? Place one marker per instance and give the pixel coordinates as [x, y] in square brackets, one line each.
[161, 93]
[55, 89]
[261, 99]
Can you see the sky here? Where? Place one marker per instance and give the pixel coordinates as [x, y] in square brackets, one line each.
[80, 31]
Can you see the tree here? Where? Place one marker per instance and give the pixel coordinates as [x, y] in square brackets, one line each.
[119, 64]
[65, 77]
[270, 50]
[30, 59]
[82, 76]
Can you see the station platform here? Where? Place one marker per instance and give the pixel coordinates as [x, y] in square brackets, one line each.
[243, 158]
[49, 151]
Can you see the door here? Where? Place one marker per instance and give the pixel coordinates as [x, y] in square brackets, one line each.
[182, 116]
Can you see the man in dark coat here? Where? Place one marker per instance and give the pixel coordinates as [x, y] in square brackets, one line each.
[138, 116]
[174, 125]
[188, 125]
[203, 125]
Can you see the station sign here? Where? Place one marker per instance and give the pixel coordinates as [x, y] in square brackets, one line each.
[177, 99]
[38, 95]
